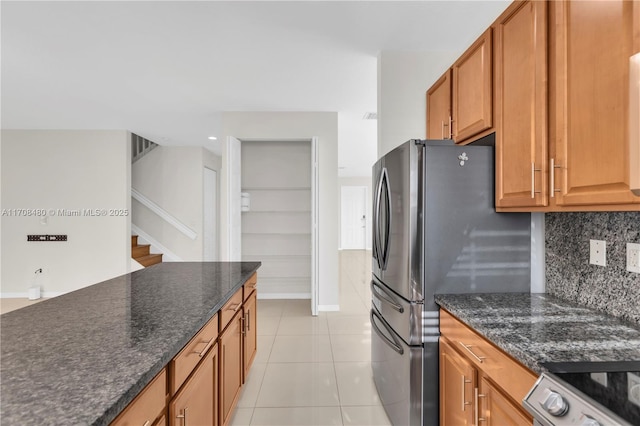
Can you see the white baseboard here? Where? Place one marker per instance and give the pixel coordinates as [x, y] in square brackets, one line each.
[328, 308]
[283, 295]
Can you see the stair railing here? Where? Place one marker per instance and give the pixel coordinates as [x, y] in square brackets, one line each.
[163, 214]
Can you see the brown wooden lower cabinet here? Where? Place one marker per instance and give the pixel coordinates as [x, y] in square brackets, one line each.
[479, 384]
[201, 384]
[250, 335]
[457, 382]
[148, 405]
[496, 409]
[231, 366]
[196, 403]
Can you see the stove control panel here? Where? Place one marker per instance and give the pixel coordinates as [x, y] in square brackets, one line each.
[552, 402]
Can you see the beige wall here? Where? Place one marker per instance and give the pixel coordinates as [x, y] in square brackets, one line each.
[72, 170]
[403, 80]
[297, 126]
[172, 177]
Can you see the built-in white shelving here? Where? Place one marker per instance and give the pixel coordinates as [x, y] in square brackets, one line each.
[277, 228]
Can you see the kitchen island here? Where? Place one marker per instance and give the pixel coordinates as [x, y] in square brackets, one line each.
[81, 358]
[536, 329]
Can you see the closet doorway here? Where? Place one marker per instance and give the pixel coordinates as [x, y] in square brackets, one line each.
[278, 181]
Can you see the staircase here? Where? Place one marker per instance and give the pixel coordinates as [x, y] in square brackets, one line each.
[140, 252]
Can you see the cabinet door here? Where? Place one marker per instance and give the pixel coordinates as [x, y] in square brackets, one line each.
[498, 410]
[250, 332]
[457, 384]
[472, 90]
[196, 402]
[520, 82]
[439, 108]
[230, 367]
[591, 44]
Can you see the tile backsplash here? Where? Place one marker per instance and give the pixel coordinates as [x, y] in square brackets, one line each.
[570, 276]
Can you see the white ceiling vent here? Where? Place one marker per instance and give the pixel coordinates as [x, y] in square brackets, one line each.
[370, 116]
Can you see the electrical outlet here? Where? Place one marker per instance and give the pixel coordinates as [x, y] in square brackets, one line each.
[600, 378]
[633, 388]
[633, 257]
[598, 252]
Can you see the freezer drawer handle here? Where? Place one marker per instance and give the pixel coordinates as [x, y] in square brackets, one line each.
[394, 344]
[386, 296]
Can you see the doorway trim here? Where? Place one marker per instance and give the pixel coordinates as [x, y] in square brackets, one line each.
[234, 215]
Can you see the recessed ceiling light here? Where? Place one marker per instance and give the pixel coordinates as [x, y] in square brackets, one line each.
[213, 138]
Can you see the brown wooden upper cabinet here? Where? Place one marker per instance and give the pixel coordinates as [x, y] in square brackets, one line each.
[591, 43]
[520, 72]
[472, 95]
[460, 103]
[561, 105]
[439, 117]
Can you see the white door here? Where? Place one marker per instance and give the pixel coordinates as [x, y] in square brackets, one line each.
[210, 231]
[353, 213]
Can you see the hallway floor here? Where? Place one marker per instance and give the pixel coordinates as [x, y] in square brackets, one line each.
[315, 370]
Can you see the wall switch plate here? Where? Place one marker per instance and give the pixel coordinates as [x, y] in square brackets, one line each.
[600, 378]
[633, 257]
[598, 252]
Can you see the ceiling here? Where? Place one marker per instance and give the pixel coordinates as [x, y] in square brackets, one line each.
[167, 70]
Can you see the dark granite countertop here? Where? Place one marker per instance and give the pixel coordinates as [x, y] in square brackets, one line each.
[80, 358]
[540, 328]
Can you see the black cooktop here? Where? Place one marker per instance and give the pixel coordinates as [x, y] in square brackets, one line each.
[612, 384]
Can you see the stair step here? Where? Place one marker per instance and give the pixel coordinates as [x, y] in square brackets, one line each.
[150, 259]
[140, 250]
[134, 240]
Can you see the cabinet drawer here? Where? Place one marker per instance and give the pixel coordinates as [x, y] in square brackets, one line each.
[147, 406]
[514, 378]
[230, 308]
[184, 363]
[250, 286]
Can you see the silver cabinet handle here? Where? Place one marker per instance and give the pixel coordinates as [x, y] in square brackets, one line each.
[450, 127]
[248, 320]
[464, 397]
[533, 180]
[480, 359]
[476, 396]
[235, 308]
[183, 416]
[553, 177]
[206, 348]
[442, 129]
[147, 423]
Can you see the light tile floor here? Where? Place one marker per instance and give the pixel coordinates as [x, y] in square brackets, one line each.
[315, 370]
[8, 305]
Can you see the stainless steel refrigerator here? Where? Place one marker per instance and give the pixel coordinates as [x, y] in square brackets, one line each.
[435, 231]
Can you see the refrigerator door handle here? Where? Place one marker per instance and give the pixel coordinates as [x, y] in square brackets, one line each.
[376, 226]
[384, 181]
[385, 295]
[392, 342]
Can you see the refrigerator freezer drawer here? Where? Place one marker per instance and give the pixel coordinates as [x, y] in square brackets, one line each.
[397, 373]
[403, 316]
